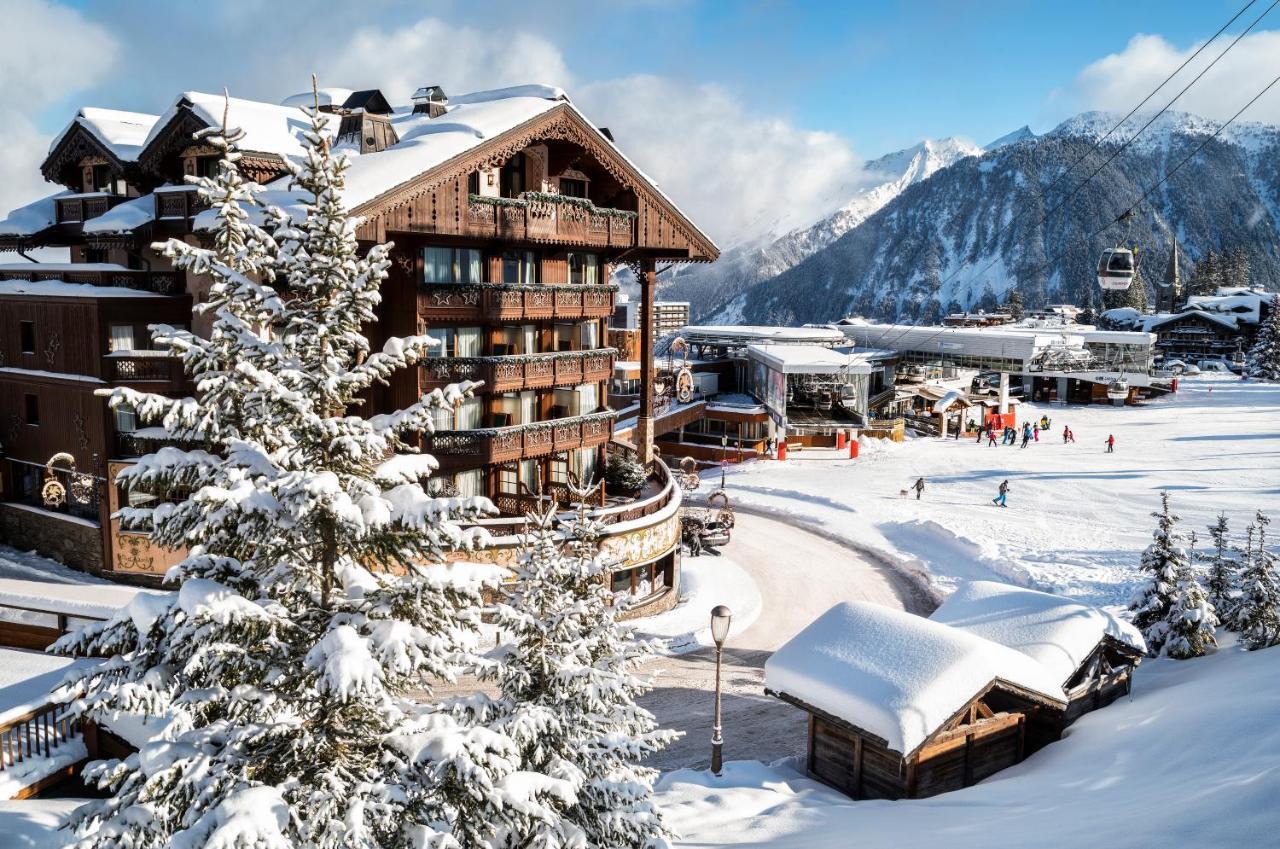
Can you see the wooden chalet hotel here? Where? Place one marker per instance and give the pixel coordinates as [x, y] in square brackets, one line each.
[508, 209]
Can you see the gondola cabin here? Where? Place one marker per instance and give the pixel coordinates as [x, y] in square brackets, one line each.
[1116, 269]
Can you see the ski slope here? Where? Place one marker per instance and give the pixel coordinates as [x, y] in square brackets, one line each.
[1077, 518]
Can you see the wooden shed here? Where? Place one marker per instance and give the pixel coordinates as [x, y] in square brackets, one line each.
[904, 707]
[1089, 651]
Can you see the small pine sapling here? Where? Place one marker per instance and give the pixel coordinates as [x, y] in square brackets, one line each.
[1164, 562]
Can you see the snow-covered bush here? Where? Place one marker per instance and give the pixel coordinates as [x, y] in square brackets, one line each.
[1258, 615]
[308, 607]
[569, 656]
[1165, 561]
[623, 474]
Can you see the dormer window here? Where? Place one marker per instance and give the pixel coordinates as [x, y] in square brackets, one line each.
[573, 188]
[103, 180]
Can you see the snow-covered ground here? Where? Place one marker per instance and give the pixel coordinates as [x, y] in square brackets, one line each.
[704, 583]
[34, 823]
[1192, 759]
[1077, 517]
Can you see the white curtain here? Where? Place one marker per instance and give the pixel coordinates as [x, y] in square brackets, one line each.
[469, 484]
[121, 337]
[470, 412]
[442, 418]
[528, 407]
[469, 266]
[437, 265]
[468, 341]
[529, 344]
[590, 335]
[588, 398]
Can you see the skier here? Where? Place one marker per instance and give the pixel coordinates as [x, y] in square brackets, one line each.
[1071, 434]
[918, 487]
[1111, 443]
[1066, 434]
[981, 431]
[991, 435]
[1035, 432]
[1001, 499]
[1044, 422]
[1026, 434]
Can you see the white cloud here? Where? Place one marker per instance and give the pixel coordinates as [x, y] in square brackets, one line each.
[51, 53]
[434, 52]
[1116, 83]
[737, 170]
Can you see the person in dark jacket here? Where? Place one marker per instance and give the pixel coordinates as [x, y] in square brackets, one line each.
[1002, 498]
[918, 487]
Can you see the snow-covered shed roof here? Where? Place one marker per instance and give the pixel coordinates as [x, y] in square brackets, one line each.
[124, 217]
[1059, 633]
[896, 675]
[122, 133]
[809, 359]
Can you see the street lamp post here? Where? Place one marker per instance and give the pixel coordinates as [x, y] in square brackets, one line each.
[724, 456]
[720, 617]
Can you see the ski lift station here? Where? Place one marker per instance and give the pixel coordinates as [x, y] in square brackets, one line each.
[1072, 363]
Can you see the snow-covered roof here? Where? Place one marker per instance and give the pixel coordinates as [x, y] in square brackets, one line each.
[1151, 322]
[327, 96]
[894, 674]
[123, 218]
[762, 333]
[267, 127]
[96, 601]
[32, 218]
[1059, 633]
[425, 142]
[809, 359]
[123, 133]
[62, 289]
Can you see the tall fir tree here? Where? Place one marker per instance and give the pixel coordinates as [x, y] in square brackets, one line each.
[1165, 562]
[1192, 622]
[307, 606]
[1258, 615]
[569, 655]
[1237, 270]
[1208, 274]
[1014, 305]
[1264, 357]
[1221, 566]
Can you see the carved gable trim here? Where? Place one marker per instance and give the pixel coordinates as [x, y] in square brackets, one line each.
[77, 144]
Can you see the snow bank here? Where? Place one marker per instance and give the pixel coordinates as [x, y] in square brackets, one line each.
[1189, 760]
[34, 823]
[704, 582]
[28, 677]
[895, 674]
[1057, 632]
[97, 601]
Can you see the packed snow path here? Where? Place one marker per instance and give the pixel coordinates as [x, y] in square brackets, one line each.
[800, 574]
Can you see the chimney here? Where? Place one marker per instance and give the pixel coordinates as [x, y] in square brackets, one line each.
[369, 132]
[604, 131]
[432, 100]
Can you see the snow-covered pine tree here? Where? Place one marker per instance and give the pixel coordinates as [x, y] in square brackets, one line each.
[1014, 305]
[307, 609]
[1208, 274]
[1258, 615]
[1221, 568]
[1264, 356]
[1164, 562]
[568, 654]
[1192, 621]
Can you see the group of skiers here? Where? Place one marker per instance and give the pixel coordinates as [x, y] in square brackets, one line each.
[1009, 436]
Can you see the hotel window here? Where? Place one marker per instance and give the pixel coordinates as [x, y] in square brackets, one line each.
[31, 409]
[560, 468]
[519, 267]
[126, 418]
[469, 414]
[583, 462]
[584, 269]
[512, 176]
[451, 265]
[456, 341]
[590, 335]
[511, 477]
[573, 188]
[473, 183]
[27, 336]
[566, 336]
[120, 337]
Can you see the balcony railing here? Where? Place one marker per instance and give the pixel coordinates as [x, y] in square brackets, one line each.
[521, 371]
[515, 442]
[177, 207]
[492, 302]
[76, 209]
[162, 282]
[145, 367]
[535, 217]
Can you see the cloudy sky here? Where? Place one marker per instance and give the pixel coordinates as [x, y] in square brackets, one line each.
[737, 108]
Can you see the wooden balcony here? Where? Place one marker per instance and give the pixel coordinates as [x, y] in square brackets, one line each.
[146, 367]
[487, 446]
[177, 207]
[521, 371]
[76, 209]
[497, 302]
[162, 282]
[549, 220]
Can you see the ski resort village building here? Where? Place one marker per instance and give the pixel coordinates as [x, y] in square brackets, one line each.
[508, 211]
[906, 707]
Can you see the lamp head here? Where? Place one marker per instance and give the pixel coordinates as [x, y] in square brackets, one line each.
[720, 618]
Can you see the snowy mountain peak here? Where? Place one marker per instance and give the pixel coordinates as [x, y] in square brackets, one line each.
[1021, 134]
